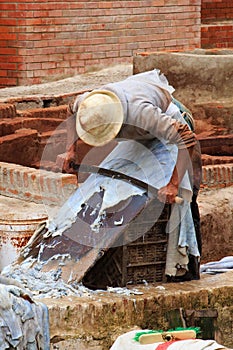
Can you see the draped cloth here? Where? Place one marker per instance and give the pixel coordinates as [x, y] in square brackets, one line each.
[24, 324]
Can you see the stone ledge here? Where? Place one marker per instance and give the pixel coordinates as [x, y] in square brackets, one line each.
[95, 321]
[183, 68]
[216, 160]
[39, 186]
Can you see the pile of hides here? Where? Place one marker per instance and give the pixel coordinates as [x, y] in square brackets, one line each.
[24, 324]
[214, 267]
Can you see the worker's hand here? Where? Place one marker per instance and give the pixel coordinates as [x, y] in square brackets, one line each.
[70, 157]
[168, 193]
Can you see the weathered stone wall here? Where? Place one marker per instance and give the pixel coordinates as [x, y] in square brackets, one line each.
[198, 76]
[216, 209]
[94, 322]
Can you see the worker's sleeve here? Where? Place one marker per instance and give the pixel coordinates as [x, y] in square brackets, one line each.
[73, 107]
[72, 136]
[162, 126]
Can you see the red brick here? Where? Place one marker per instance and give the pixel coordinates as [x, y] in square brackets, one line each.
[11, 176]
[6, 66]
[8, 82]
[3, 73]
[7, 7]
[30, 22]
[7, 36]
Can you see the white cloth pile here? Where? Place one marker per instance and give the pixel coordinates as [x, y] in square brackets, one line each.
[24, 324]
[214, 267]
[126, 342]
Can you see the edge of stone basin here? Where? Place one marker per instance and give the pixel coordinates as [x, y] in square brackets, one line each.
[89, 80]
[100, 317]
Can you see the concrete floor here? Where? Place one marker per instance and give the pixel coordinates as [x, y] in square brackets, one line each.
[79, 82]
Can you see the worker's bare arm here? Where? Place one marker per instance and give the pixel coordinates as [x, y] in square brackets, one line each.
[168, 193]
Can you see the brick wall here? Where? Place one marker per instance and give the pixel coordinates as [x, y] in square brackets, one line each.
[217, 35]
[216, 10]
[46, 40]
[217, 24]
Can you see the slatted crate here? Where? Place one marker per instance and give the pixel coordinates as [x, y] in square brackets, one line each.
[138, 261]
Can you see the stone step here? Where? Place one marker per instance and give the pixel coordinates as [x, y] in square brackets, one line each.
[94, 321]
[55, 187]
[11, 125]
[40, 101]
[57, 112]
[214, 160]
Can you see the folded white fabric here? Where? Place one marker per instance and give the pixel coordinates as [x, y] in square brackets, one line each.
[195, 344]
[126, 342]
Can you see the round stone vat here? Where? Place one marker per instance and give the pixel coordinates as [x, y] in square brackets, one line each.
[196, 75]
[17, 224]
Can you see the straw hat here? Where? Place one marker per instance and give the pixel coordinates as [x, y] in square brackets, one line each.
[99, 117]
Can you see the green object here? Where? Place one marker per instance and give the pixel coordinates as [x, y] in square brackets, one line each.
[138, 334]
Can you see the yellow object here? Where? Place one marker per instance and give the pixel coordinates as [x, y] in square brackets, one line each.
[166, 336]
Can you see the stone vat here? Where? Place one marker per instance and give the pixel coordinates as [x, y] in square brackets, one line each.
[17, 224]
[196, 75]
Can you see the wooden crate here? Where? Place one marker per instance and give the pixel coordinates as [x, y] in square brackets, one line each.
[139, 261]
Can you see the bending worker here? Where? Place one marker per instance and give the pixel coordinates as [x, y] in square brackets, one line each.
[141, 108]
